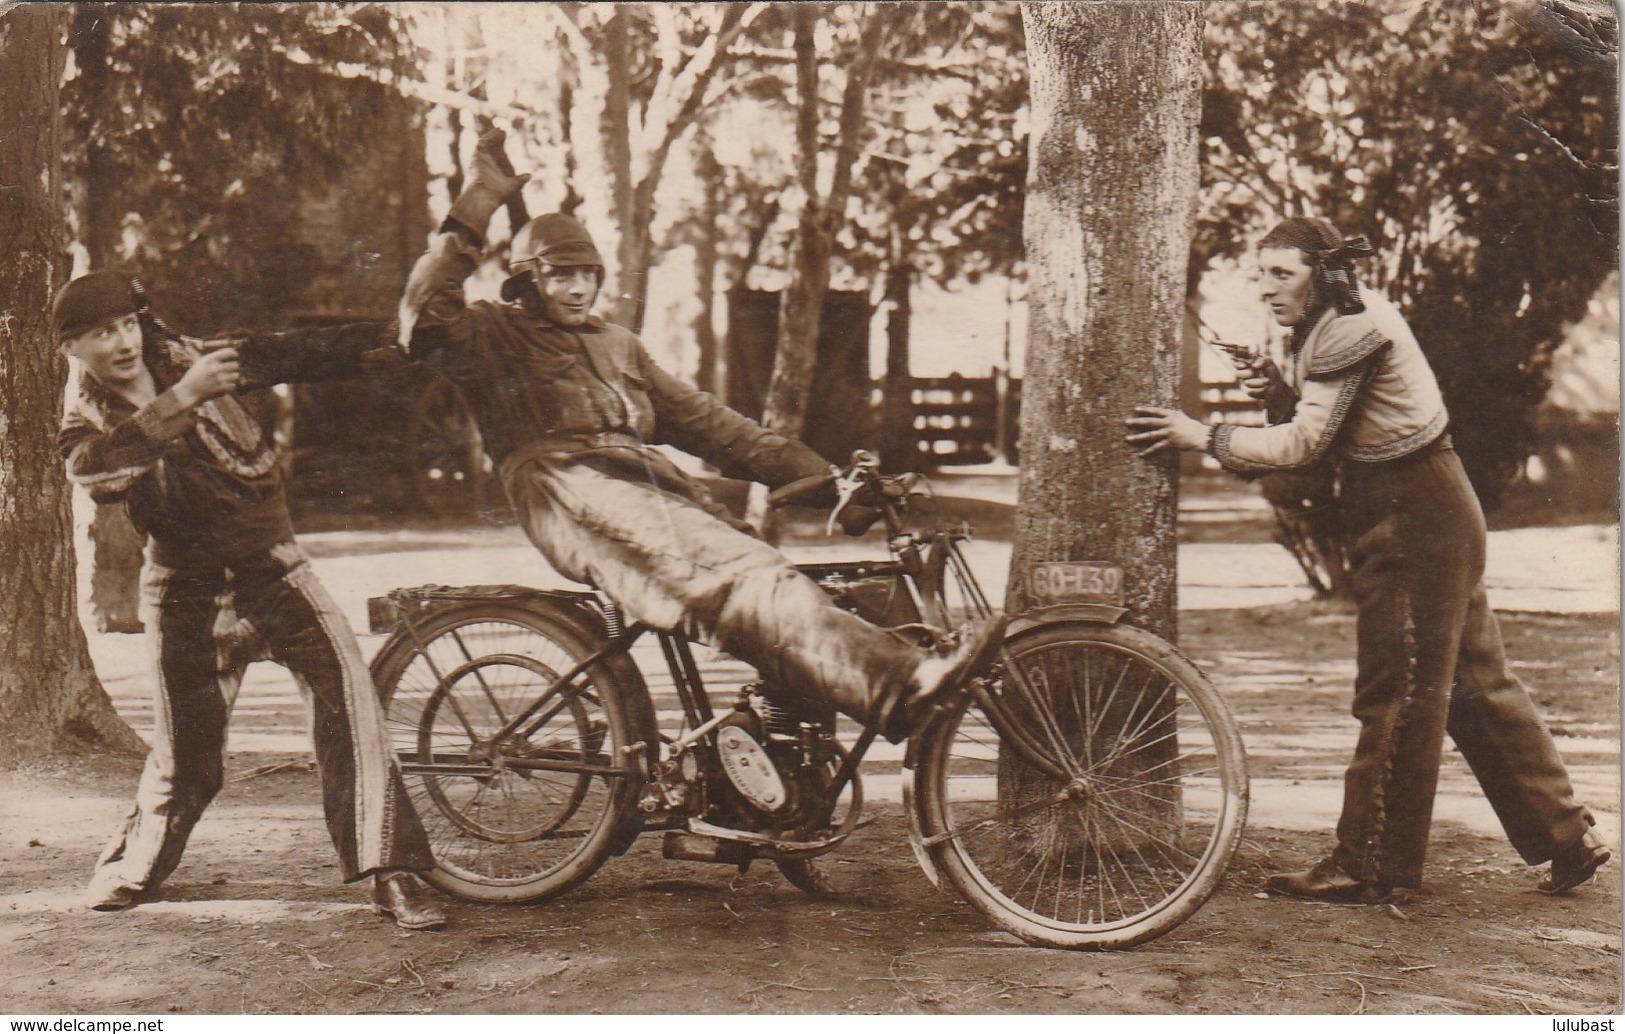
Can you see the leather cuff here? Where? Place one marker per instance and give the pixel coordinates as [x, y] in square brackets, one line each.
[474, 208]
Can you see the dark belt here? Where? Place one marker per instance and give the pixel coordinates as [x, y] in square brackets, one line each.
[577, 442]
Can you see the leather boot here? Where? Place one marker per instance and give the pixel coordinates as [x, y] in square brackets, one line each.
[939, 678]
[1327, 882]
[1575, 864]
[115, 899]
[402, 896]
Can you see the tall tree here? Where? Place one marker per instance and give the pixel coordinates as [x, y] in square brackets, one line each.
[1116, 98]
[646, 73]
[823, 209]
[50, 699]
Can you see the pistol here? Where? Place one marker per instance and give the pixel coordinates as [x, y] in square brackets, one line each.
[1236, 351]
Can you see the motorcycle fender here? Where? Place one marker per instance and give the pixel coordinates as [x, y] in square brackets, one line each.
[1092, 613]
[916, 839]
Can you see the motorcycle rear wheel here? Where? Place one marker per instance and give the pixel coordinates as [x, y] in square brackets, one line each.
[527, 816]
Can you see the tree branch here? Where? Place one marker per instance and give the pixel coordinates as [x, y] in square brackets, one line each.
[574, 38]
[691, 83]
[422, 91]
[873, 35]
[958, 69]
[806, 51]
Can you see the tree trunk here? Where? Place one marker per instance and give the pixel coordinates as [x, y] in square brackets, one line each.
[705, 269]
[617, 135]
[1110, 202]
[1111, 193]
[801, 305]
[50, 699]
[786, 407]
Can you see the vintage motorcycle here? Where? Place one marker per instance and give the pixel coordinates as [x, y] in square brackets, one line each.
[1086, 790]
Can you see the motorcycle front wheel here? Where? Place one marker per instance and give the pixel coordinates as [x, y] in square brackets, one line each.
[1089, 795]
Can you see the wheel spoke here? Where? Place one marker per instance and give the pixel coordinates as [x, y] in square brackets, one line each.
[1104, 820]
[540, 817]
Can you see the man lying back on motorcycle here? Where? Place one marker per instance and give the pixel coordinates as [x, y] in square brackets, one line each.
[570, 408]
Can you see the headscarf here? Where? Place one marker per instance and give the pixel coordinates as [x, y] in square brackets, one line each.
[1330, 253]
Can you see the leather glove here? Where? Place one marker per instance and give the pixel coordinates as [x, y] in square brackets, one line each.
[491, 181]
[862, 512]
[857, 519]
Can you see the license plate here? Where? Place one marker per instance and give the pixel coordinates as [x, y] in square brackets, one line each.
[1083, 581]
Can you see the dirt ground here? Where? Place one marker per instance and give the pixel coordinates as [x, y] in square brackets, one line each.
[255, 920]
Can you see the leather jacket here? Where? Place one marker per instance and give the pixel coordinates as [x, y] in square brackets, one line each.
[538, 389]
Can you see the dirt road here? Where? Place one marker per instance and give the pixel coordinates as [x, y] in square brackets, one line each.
[255, 921]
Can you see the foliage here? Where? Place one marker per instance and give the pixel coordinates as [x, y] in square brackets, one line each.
[948, 169]
[1475, 143]
[196, 127]
[939, 182]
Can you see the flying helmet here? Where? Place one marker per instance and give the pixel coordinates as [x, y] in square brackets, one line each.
[554, 239]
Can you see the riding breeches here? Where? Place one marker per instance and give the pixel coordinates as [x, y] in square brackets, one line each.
[198, 620]
[1430, 659]
[671, 564]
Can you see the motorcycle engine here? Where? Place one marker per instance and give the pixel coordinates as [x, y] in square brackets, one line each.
[801, 742]
[746, 763]
[780, 757]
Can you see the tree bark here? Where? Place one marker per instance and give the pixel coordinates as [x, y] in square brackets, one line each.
[1112, 186]
[617, 135]
[50, 698]
[705, 269]
[786, 407]
[1111, 195]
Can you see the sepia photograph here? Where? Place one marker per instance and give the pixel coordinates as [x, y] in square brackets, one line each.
[1083, 508]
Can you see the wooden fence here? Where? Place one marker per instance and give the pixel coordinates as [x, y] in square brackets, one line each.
[961, 420]
[964, 420]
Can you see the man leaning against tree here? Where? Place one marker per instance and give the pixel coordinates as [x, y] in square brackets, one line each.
[1357, 388]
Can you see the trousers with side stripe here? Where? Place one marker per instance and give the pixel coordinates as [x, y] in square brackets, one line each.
[193, 616]
[1430, 660]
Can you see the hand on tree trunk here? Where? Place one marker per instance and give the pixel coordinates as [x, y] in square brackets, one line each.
[1154, 428]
